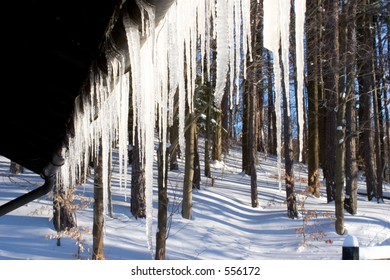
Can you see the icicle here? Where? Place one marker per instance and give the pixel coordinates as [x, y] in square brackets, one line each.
[237, 44]
[246, 32]
[232, 12]
[222, 23]
[278, 113]
[276, 36]
[271, 37]
[210, 13]
[300, 10]
[172, 61]
[284, 13]
[202, 27]
[100, 115]
[148, 121]
[146, 113]
[180, 40]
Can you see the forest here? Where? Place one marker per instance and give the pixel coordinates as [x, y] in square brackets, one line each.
[314, 91]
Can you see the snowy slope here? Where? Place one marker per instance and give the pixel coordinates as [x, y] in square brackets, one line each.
[224, 226]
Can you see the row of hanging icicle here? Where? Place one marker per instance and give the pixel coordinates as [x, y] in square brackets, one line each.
[101, 114]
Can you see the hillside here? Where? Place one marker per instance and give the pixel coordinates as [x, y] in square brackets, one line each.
[224, 225]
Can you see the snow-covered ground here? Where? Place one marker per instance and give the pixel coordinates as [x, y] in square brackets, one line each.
[224, 225]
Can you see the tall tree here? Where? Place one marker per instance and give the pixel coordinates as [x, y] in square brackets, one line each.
[255, 96]
[385, 93]
[313, 40]
[98, 208]
[253, 152]
[366, 89]
[331, 87]
[246, 119]
[217, 136]
[271, 115]
[377, 99]
[207, 169]
[174, 136]
[162, 219]
[189, 165]
[312, 34]
[138, 199]
[351, 169]
[209, 85]
[340, 130]
[292, 211]
[109, 187]
[225, 124]
[257, 53]
[197, 173]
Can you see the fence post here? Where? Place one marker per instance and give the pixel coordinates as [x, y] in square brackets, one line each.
[350, 248]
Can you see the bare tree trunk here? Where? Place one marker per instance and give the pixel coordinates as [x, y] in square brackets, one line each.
[252, 135]
[98, 209]
[387, 137]
[138, 199]
[292, 211]
[378, 147]
[377, 106]
[253, 151]
[255, 93]
[173, 137]
[366, 87]
[217, 139]
[207, 170]
[189, 167]
[271, 109]
[197, 174]
[351, 171]
[385, 98]
[313, 92]
[245, 139]
[162, 218]
[351, 168]
[322, 110]
[110, 204]
[225, 124]
[340, 134]
[331, 87]
[258, 72]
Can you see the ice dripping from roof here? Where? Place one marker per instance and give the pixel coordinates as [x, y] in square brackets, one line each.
[98, 124]
[271, 39]
[276, 39]
[163, 62]
[300, 11]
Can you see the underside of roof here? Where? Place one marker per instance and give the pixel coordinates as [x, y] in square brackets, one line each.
[49, 49]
